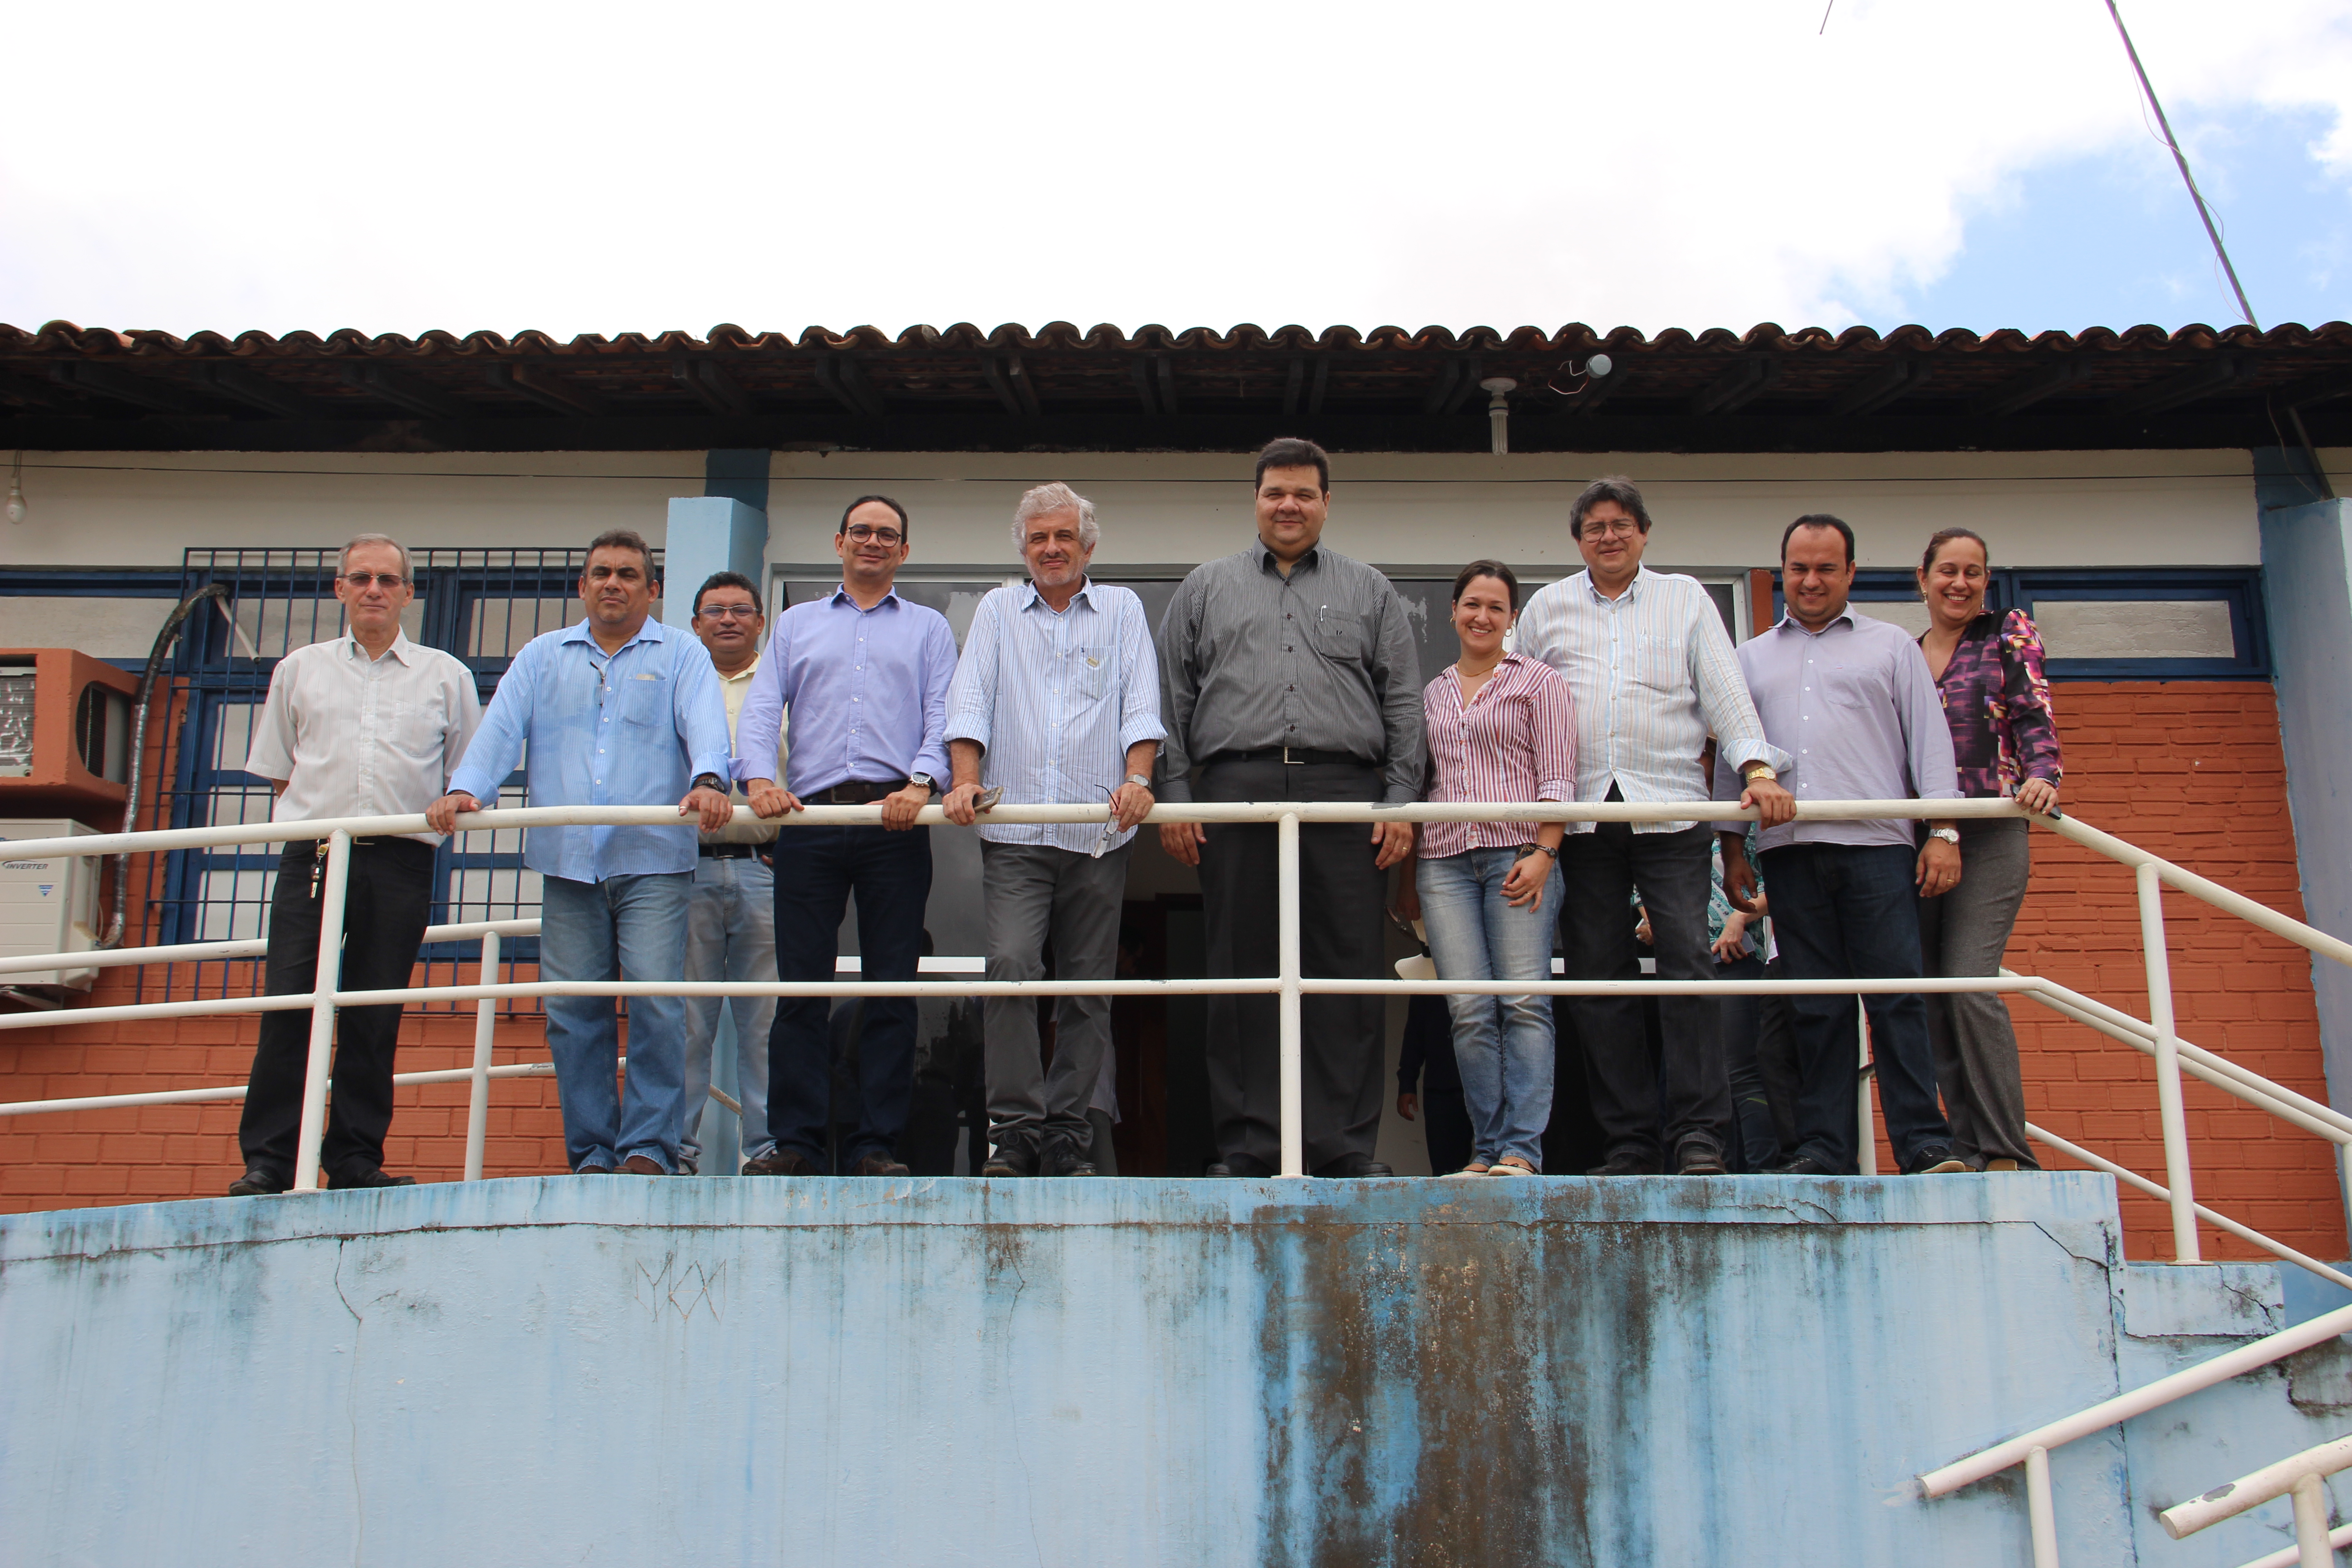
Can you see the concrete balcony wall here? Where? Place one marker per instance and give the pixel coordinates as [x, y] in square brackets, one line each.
[1659, 1370]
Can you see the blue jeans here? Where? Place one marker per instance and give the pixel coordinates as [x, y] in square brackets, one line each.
[1501, 1044]
[623, 928]
[891, 875]
[1843, 912]
[730, 934]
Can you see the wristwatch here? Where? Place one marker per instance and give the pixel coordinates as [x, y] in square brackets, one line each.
[1948, 834]
[1139, 779]
[708, 780]
[925, 780]
[1755, 770]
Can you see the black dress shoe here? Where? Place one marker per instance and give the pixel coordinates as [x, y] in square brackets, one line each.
[1216, 1169]
[593, 1170]
[1699, 1158]
[1802, 1165]
[376, 1178]
[1064, 1157]
[780, 1162]
[1351, 1167]
[878, 1165]
[1240, 1165]
[257, 1182]
[1010, 1156]
[1624, 1163]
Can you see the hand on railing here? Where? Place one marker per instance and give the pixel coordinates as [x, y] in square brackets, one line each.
[442, 815]
[769, 800]
[708, 806]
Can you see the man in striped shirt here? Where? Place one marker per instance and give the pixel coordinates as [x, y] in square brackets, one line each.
[1651, 670]
[1056, 702]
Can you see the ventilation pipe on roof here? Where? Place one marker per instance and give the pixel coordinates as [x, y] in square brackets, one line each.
[1499, 389]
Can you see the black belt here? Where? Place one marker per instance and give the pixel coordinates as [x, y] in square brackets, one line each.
[730, 851]
[1295, 756]
[856, 792]
[316, 849]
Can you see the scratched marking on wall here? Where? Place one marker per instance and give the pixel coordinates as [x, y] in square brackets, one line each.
[682, 1287]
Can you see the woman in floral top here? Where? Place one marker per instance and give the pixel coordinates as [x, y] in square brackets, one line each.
[1988, 668]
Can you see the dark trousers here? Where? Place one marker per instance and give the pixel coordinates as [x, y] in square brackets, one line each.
[1844, 911]
[1760, 1058]
[1687, 1098]
[1342, 896]
[890, 873]
[385, 912]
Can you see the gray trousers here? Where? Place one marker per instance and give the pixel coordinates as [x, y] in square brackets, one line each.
[1965, 932]
[1035, 891]
[730, 934]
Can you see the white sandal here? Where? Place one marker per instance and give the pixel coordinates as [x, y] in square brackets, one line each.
[1511, 1166]
[1475, 1168]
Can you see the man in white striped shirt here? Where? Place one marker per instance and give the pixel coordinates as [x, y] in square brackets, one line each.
[1056, 702]
[1651, 672]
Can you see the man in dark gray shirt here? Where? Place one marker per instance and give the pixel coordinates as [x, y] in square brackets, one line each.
[1287, 672]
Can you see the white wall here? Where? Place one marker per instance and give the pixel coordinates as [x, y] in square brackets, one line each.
[1721, 512]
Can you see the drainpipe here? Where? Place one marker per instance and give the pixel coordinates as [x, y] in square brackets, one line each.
[138, 705]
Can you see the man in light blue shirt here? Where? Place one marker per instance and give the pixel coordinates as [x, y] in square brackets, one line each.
[865, 674]
[1057, 703]
[617, 710]
[1849, 698]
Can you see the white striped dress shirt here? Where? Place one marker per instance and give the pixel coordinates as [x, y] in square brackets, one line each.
[354, 736]
[1054, 700]
[1652, 675]
[1515, 740]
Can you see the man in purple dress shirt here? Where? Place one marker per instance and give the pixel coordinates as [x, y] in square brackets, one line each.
[1849, 698]
[866, 675]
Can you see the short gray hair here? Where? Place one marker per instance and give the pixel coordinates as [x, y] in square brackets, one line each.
[1049, 499]
[344, 561]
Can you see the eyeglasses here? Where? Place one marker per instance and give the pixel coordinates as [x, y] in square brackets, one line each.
[862, 534]
[731, 611]
[363, 580]
[1594, 528]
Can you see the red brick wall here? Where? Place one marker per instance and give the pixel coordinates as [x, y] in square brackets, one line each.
[2191, 770]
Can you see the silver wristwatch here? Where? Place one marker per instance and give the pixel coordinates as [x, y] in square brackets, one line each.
[1139, 779]
[1948, 834]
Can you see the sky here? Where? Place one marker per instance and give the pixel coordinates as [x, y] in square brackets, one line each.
[604, 168]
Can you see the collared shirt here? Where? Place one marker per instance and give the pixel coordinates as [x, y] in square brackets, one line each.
[1853, 703]
[1322, 660]
[1652, 675]
[1997, 701]
[355, 736]
[634, 728]
[745, 826]
[1054, 700]
[868, 691]
[1515, 740]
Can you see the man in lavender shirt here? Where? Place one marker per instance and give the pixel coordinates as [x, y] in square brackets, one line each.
[865, 674]
[1850, 698]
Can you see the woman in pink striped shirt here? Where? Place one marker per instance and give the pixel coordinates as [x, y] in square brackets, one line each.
[1500, 729]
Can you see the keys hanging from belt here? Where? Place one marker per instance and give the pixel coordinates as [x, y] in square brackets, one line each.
[318, 865]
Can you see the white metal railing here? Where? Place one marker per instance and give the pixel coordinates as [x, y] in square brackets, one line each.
[2304, 1474]
[2157, 1037]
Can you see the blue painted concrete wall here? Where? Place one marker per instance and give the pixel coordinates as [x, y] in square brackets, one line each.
[2307, 587]
[1692, 1372]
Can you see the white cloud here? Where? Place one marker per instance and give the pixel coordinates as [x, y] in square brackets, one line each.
[630, 168]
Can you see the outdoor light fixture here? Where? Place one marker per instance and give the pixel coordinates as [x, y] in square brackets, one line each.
[1497, 389]
[1593, 369]
[16, 490]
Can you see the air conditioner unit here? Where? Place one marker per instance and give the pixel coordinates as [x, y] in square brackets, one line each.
[46, 906]
[65, 735]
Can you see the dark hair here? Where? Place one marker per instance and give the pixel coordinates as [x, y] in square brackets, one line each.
[1494, 569]
[1944, 536]
[1609, 487]
[622, 538]
[1818, 520]
[906, 528]
[1294, 452]
[725, 580]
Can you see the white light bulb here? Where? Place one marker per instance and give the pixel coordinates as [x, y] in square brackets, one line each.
[16, 503]
[1598, 366]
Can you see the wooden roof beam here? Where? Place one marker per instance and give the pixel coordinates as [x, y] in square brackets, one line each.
[404, 394]
[2197, 382]
[547, 389]
[1881, 387]
[39, 394]
[128, 386]
[1013, 385]
[840, 376]
[2025, 391]
[1748, 378]
[250, 386]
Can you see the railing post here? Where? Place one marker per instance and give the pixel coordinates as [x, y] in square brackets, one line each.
[2041, 1513]
[1286, 859]
[485, 1024]
[1866, 1134]
[324, 979]
[2313, 1548]
[2167, 1065]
